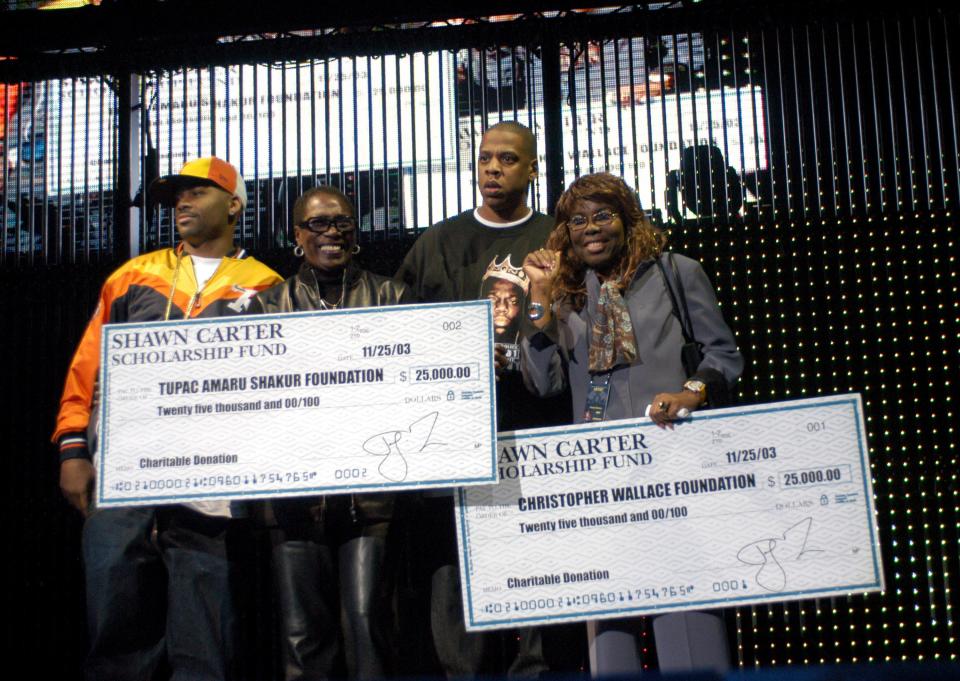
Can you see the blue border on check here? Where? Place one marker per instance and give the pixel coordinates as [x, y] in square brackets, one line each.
[275, 493]
[853, 400]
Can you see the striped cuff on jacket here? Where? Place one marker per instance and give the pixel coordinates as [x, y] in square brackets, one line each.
[73, 446]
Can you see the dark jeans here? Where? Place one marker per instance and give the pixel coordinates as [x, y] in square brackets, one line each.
[461, 653]
[158, 603]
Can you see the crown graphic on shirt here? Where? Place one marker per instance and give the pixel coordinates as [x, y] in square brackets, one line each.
[506, 270]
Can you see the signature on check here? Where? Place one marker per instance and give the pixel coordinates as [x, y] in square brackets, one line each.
[393, 444]
[767, 553]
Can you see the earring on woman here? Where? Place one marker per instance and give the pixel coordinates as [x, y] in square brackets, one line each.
[355, 249]
[298, 251]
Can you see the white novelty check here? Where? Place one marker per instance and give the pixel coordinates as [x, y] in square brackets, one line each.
[735, 506]
[355, 400]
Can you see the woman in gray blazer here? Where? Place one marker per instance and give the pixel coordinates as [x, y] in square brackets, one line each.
[601, 321]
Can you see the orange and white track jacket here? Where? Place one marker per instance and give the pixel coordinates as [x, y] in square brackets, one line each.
[150, 287]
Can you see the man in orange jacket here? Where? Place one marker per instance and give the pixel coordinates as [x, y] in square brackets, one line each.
[158, 579]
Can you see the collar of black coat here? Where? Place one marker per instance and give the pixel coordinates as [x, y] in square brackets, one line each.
[349, 276]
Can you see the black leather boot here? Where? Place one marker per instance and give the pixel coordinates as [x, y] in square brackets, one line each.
[307, 593]
[361, 567]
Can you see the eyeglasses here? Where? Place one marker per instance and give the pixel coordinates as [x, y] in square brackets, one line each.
[320, 225]
[602, 218]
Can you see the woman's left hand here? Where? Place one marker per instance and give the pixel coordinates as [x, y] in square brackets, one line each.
[666, 405]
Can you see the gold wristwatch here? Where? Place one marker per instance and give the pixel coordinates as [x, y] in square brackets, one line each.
[699, 387]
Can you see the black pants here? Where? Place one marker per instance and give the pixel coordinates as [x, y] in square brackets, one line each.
[462, 653]
[328, 573]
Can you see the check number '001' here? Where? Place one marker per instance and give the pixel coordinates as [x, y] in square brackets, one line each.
[445, 372]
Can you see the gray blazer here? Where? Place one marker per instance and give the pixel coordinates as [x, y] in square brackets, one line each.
[560, 353]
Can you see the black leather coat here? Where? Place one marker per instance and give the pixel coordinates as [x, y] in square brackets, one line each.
[302, 292]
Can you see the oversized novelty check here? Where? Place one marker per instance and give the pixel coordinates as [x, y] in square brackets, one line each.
[332, 402]
[735, 506]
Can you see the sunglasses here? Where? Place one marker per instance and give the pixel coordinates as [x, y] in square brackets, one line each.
[320, 225]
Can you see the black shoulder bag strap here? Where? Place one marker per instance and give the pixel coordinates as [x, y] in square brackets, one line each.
[691, 352]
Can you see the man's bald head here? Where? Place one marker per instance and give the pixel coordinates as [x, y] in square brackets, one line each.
[527, 139]
[506, 165]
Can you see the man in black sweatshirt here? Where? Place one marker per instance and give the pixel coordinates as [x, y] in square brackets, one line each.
[479, 254]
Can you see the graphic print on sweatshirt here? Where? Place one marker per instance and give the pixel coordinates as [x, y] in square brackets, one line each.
[506, 286]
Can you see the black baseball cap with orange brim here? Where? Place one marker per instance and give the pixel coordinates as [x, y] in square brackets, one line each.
[210, 170]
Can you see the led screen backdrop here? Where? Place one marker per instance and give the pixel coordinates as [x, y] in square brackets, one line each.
[402, 129]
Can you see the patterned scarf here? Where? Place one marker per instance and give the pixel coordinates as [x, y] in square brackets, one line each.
[612, 341]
